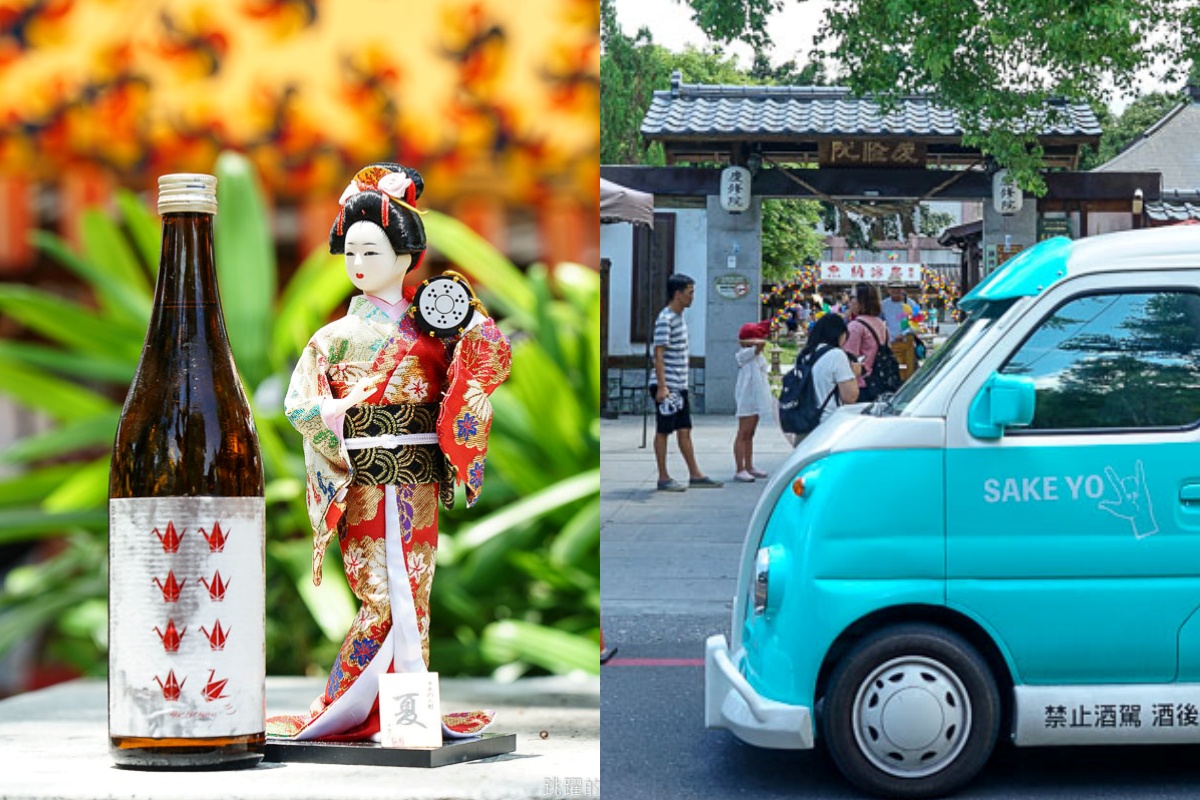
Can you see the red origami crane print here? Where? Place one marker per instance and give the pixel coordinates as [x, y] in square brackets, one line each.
[171, 688]
[170, 540]
[216, 540]
[171, 638]
[171, 588]
[216, 589]
[213, 689]
[216, 639]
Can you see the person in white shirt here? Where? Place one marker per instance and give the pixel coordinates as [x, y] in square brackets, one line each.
[753, 395]
[835, 379]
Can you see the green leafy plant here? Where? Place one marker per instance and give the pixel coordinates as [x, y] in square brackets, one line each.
[517, 585]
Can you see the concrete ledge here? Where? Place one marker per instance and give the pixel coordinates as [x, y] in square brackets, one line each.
[54, 746]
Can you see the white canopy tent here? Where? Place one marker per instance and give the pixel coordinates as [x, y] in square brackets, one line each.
[621, 204]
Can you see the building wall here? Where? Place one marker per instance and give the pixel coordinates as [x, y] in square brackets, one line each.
[616, 244]
[691, 258]
[626, 379]
[734, 255]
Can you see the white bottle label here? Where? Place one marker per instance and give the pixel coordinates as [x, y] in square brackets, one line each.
[187, 646]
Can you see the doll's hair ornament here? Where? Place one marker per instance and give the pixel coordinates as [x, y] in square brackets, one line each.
[397, 186]
[369, 197]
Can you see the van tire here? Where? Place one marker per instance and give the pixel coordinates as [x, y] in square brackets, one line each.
[911, 711]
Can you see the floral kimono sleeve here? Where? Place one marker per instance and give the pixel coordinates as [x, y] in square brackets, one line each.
[324, 455]
[480, 363]
[307, 392]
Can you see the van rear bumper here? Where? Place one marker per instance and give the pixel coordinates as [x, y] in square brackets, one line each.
[730, 702]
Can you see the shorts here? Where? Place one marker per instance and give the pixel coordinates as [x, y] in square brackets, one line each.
[666, 424]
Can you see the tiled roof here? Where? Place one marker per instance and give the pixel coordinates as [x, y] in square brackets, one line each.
[1172, 212]
[1176, 206]
[1170, 146]
[708, 110]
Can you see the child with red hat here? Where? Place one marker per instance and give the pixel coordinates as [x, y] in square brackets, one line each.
[753, 395]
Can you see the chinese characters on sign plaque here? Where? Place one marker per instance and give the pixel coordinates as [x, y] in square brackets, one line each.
[1007, 197]
[735, 189]
[881, 272]
[870, 153]
[1049, 227]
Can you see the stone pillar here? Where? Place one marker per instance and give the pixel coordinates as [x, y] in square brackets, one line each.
[1003, 233]
[734, 284]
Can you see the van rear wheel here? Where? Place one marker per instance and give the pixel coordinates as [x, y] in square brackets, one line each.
[911, 711]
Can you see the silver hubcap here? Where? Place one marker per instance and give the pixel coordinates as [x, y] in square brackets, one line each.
[911, 717]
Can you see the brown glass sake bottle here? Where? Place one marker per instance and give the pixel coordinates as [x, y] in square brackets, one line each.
[186, 664]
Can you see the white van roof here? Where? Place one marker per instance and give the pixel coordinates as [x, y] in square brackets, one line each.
[1034, 270]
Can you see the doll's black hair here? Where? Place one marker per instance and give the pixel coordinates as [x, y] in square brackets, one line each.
[402, 226]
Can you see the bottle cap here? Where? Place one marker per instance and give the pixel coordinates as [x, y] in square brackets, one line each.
[187, 191]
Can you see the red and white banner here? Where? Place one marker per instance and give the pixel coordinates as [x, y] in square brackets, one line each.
[871, 272]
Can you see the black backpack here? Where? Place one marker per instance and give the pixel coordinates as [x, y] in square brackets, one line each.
[884, 377]
[799, 409]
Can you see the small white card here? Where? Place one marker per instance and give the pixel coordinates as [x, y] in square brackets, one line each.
[410, 711]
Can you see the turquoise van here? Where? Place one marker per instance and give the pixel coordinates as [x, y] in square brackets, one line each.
[1010, 545]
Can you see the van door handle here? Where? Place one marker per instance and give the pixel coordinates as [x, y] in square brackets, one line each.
[1189, 493]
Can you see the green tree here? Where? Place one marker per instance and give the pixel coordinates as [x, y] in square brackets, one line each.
[789, 237]
[932, 223]
[631, 68]
[975, 56]
[787, 73]
[707, 66]
[732, 20]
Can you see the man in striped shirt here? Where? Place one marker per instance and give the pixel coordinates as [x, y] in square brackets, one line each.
[672, 412]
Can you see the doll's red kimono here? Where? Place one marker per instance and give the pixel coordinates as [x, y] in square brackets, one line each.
[375, 477]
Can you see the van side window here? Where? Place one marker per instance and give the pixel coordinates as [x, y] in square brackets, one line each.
[1115, 360]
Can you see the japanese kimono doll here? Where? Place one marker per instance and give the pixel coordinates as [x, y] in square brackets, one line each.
[391, 418]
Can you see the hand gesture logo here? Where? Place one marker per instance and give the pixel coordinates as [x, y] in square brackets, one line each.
[1133, 501]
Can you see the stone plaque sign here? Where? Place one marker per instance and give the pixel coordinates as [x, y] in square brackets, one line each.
[732, 286]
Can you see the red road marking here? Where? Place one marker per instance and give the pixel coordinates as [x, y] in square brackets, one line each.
[654, 662]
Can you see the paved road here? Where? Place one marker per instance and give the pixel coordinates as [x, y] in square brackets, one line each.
[667, 552]
[667, 579]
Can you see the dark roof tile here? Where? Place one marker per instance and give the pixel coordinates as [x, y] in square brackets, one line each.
[700, 110]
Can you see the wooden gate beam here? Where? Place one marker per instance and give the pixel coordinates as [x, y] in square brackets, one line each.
[883, 184]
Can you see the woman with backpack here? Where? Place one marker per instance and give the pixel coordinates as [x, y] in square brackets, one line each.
[835, 378]
[867, 333]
